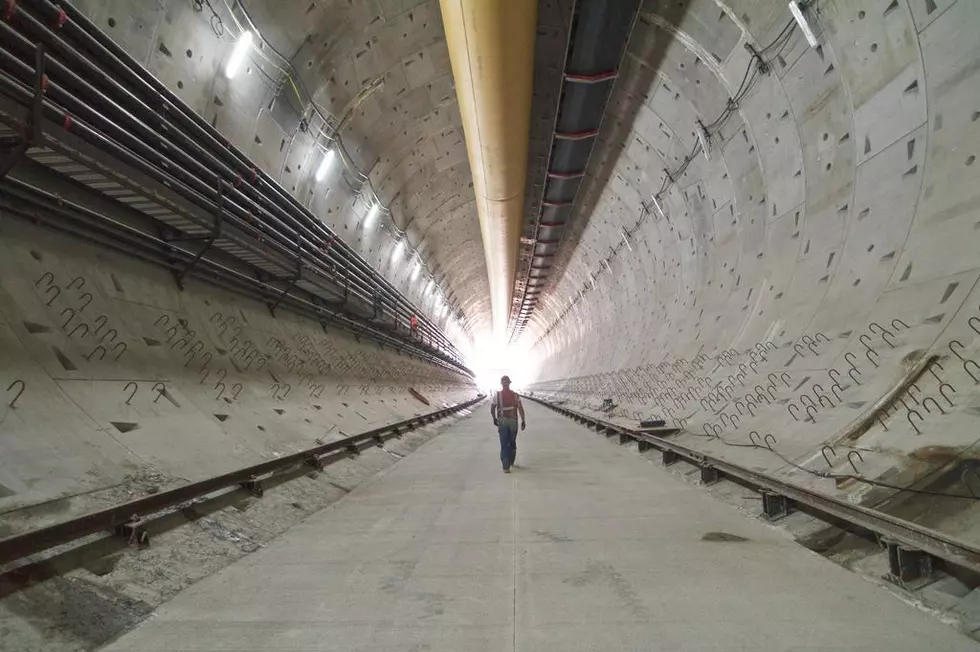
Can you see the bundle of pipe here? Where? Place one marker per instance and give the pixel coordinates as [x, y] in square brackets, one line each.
[491, 48]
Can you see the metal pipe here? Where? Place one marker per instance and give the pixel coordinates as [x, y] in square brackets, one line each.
[91, 42]
[491, 48]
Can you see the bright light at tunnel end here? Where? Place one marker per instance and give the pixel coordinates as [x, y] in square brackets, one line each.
[242, 47]
[490, 358]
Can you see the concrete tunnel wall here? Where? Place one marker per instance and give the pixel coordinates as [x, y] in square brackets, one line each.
[129, 383]
[840, 195]
[405, 137]
[831, 239]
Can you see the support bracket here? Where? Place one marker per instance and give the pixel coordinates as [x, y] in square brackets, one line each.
[32, 130]
[774, 506]
[906, 564]
[134, 532]
[254, 487]
[209, 240]
[709, 474]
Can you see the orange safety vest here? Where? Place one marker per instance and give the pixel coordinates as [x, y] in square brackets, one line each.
[506, 402]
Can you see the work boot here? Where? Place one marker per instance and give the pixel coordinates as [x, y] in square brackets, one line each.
[506, 470]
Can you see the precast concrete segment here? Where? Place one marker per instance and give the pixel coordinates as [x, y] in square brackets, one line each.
[787, 284]
[116, 384]
[586, 546]
[491, 46]
[380, 72]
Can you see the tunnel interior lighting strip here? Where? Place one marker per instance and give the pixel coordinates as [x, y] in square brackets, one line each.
[237, 58]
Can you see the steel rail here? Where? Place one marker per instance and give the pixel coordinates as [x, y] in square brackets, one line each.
[129, 514]
[936, 544]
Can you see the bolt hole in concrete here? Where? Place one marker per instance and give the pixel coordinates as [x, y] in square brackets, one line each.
[112, 22]
[65, 362]
[36, 255]
[722, 537]
[971, 159]
[35, 329]
[124, 426]
[874, 47]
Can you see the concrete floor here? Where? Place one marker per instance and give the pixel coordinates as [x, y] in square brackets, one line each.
[586, 547]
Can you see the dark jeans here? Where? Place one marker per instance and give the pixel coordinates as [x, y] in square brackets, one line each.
[507, 429]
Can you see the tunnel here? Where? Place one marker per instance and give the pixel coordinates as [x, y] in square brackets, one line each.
[263, 264]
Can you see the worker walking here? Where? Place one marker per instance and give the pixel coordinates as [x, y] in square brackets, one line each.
[504, 409]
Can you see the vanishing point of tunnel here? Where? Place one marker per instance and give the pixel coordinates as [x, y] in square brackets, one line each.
[264, 262]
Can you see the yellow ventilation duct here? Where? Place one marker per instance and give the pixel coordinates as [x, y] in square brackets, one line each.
[491, 47]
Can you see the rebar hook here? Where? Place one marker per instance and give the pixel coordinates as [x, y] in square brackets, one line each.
[23, 387]
[136, 388]
[908, 416]
[942, 392]
[57, 293]
[160, 389]
[823, 451]
[91, 354]
[934, 402]
[851, 461]
[790, 407]
[812, 418]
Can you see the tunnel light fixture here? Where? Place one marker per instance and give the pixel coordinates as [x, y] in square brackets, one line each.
[397, 253]
[415, 272]
[801, 20]
[242, 46]
[372, 213]
[321, 171]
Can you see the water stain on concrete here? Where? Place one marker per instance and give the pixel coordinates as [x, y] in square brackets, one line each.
[551, 536]
[603, 573]
[77, 611]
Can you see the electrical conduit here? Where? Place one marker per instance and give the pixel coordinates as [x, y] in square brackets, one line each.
[491, 48]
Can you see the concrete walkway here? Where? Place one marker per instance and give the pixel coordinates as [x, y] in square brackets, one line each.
[586, 547]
